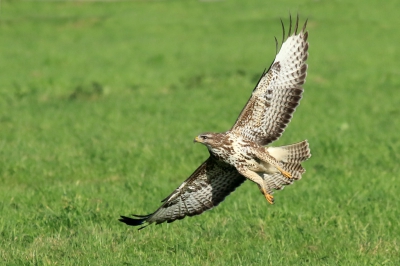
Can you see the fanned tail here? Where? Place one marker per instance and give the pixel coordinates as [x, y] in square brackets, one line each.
[297, 153]
[290, 158]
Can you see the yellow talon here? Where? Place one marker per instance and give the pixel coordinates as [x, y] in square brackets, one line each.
[284, 173]
[268, 197]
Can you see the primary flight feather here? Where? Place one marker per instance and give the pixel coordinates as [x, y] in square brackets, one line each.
[240, 153]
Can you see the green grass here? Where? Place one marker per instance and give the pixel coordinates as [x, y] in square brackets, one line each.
[100, 101]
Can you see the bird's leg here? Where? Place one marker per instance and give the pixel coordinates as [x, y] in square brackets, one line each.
[264, 156]
[267, 196]
[253, 176]
[284, 173]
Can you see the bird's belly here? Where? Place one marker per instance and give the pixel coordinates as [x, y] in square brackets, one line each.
[255, 166]
[261, 167]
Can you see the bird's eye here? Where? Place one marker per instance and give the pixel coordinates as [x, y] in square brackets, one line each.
[204, 137]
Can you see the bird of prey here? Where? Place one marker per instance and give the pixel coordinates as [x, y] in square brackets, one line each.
[241, 152]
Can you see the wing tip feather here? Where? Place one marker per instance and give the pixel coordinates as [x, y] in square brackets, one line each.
[135, 222]
[283, 34]
[304, 27]
[297, 24]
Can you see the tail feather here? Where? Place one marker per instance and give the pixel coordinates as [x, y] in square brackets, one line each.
[297, 152]
[275, 181]
[290, 158]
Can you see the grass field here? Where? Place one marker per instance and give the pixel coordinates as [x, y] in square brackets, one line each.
[100, 102]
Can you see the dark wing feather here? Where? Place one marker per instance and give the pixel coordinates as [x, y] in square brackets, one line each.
[278, 92]
[203, 190]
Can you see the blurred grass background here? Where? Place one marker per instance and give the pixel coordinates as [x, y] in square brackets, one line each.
[100, 101]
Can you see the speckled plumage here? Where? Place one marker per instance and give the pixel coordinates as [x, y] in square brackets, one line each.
[240, 153]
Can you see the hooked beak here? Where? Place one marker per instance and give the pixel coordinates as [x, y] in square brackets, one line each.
[197, 139]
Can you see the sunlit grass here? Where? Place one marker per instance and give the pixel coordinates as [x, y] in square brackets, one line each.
[99, 103]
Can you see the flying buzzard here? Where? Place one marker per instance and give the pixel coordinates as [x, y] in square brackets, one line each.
[241, 153]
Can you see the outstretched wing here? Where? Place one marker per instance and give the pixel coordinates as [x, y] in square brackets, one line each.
[203, 190]
[278, 92]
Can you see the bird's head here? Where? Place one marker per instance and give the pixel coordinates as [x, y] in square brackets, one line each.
[208, 139]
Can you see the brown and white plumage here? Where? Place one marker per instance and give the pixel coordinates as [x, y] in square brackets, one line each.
[291, 157]
[277, 94]
[203, 190]
[240, 153]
